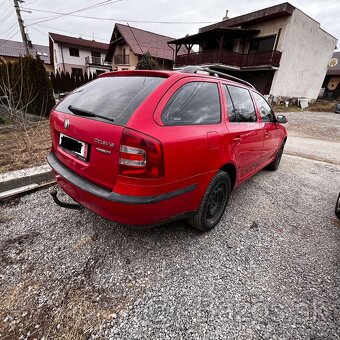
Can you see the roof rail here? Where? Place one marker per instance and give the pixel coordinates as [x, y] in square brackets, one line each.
[214, 73]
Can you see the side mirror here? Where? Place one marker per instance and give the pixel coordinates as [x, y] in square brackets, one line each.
[281, 119]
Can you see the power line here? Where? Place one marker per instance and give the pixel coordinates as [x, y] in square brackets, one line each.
[118, 20]
[8, 16]
[9, 29]
[6, 12]
[58, 29]
[100, 4]
[8, 39]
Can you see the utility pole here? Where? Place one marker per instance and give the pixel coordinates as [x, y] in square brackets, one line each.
[21, 25]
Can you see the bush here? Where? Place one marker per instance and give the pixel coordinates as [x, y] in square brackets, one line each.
[28, 86]
[146, 62]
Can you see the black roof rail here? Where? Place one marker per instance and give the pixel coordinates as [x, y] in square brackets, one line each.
[210, 72]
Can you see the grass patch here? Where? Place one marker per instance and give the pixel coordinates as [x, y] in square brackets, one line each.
[14, 155]
[317, 106]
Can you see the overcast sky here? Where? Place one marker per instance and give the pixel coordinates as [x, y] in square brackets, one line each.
[197, 13]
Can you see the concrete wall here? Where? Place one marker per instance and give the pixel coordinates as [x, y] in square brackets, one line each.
[272, 27]
[306, 51]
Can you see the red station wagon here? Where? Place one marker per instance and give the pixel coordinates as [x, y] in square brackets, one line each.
[146, 147]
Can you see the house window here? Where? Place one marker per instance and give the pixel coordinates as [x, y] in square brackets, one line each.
[95, 54]
[265, 44]
[76, 71]
[74, 52]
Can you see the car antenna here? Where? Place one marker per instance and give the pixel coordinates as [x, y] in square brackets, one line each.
[139, 46]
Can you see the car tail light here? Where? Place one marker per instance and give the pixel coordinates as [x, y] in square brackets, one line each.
[140, 155]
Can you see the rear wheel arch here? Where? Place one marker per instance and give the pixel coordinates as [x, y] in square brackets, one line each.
[230, 169]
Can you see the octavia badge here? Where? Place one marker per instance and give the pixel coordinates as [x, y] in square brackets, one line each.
[66, 124]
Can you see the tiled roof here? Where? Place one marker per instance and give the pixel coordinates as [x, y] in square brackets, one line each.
[90, 44]
[141, 41]
[335, 70]
[10, 48]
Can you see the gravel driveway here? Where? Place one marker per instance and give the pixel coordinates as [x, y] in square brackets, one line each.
[270, 270]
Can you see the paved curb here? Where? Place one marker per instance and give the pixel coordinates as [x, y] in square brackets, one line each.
[16, 179]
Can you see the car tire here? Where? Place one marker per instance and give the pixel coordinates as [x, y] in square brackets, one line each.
[213, 203]
[274, 165]
[337, 207]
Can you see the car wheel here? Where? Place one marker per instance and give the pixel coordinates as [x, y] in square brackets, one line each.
[337, 207]
[213, 203]
[274, 165]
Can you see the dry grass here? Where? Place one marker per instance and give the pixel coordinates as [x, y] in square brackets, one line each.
[14, 155]
[319, 106]
[75, 317]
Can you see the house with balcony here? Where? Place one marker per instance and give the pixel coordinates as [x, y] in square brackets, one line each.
[128, 44]
[280, 50]
[77, 55]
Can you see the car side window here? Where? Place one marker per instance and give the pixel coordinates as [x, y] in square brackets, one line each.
[193, 104]
[243, 104]
[266, 112]
[230, 105]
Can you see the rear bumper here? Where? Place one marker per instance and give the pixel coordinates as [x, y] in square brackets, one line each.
[132, 210]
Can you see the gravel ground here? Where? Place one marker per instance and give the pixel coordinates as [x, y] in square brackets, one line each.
[270, 270]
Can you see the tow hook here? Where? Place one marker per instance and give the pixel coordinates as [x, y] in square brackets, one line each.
[75, 206]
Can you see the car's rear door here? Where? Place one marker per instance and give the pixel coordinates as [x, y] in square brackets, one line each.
[190, 127]
[245, 129]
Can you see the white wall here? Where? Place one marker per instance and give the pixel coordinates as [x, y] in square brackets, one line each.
[62, 55]
[272, 27]
[306, 51]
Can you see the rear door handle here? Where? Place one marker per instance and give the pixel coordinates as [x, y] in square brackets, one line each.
[237, 140]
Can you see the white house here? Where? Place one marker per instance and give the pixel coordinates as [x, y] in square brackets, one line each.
[76, 55]
[280, 50]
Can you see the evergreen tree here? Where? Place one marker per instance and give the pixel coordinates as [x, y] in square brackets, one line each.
[57, 82]
[86, 78]
[28, 85]
[82, 79]
[146, 62]
[53, 81]
[68, 82]
[63, 82]
[77, 82]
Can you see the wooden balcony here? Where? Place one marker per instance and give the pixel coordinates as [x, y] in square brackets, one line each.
[121, 59]
[271, 58]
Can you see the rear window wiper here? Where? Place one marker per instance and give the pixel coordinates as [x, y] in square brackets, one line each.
[85, 113]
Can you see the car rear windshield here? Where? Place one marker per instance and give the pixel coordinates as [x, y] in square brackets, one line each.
[116, 98]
